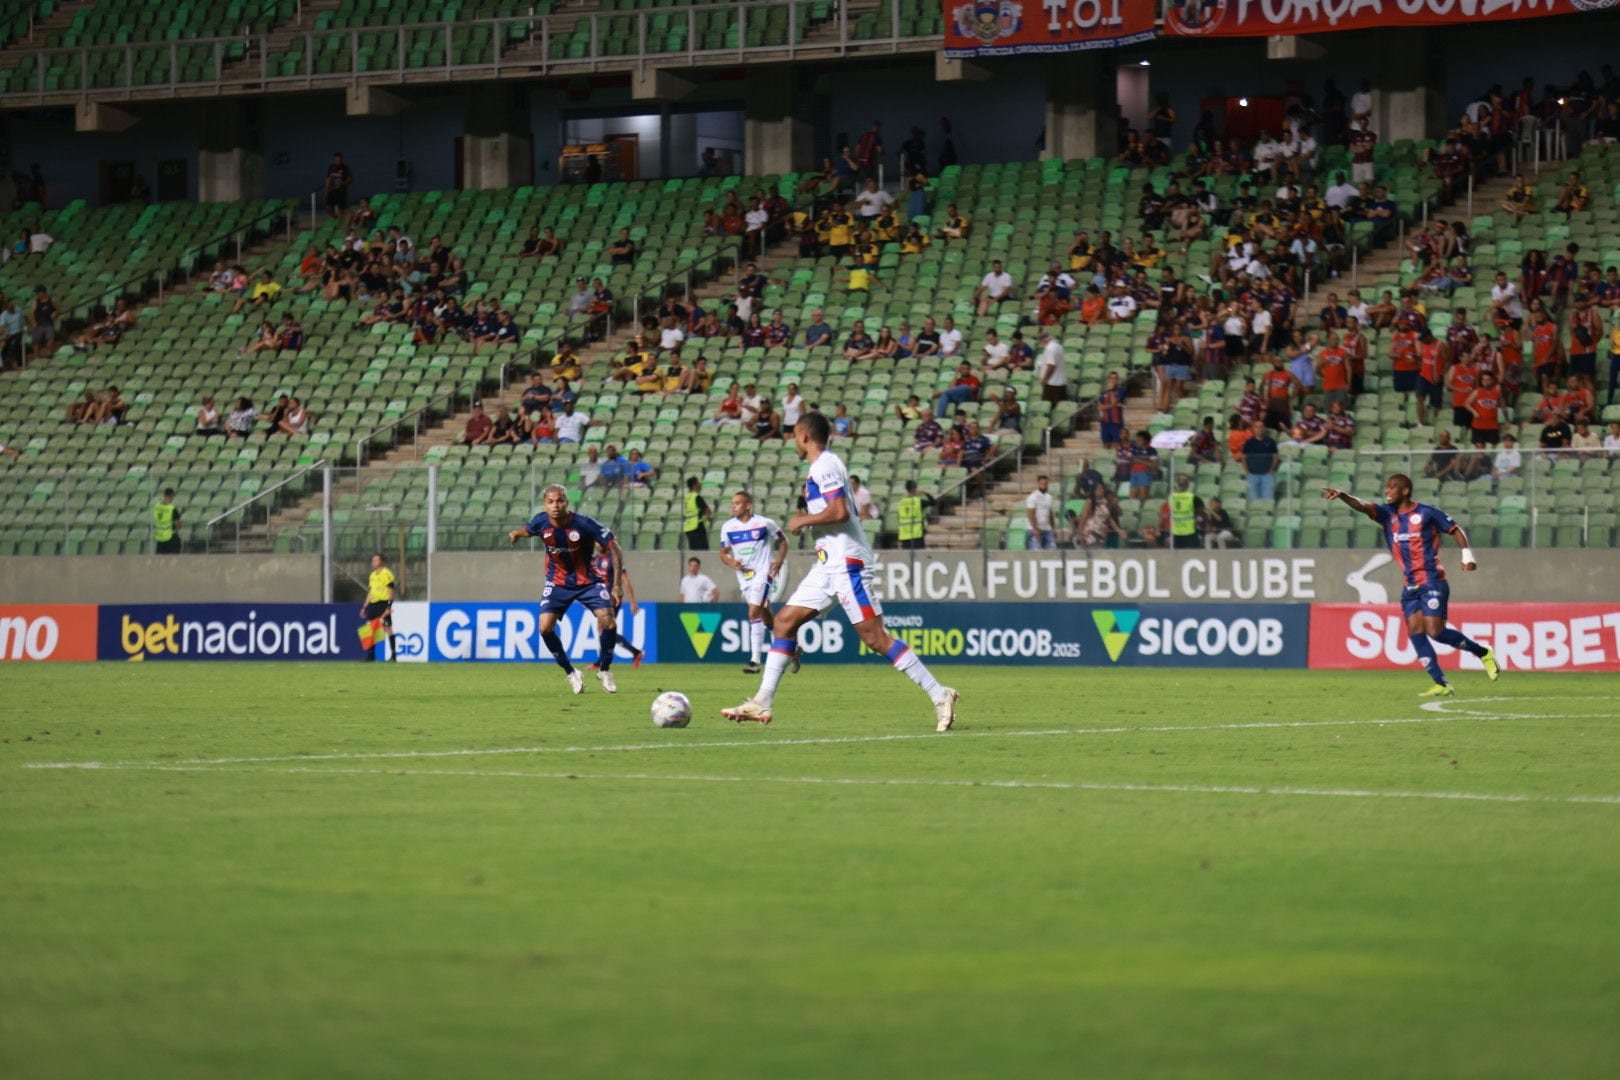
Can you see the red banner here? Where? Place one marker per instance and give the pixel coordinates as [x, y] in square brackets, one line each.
[47, 632]
[1264, 18]
[1525, 637]
[1021, 27]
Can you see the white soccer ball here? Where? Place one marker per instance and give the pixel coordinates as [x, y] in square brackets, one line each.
[671, 709]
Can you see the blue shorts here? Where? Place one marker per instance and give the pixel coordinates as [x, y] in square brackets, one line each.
[1428, 600]
[559, 598]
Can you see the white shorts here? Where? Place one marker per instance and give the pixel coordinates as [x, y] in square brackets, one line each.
[755, 590]
[848, 585]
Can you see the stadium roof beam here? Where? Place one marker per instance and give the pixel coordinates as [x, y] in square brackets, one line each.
[948, 70]
[1293, 47]
[96, 116]
[365, 100]
[660, 84]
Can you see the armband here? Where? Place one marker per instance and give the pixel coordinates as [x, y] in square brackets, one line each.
[1467, 555]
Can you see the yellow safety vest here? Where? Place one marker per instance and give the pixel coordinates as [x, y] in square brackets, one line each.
[692, 518]
[1181, 513]
[163, 517]
[911, 517]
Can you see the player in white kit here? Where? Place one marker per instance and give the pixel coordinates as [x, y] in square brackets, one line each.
[842, 576]
[755, 547]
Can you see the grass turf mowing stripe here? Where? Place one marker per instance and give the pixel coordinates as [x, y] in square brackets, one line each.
[1437, 718]
[1039, 785]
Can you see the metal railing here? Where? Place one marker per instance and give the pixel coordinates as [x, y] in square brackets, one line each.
[519, 46]
[243, 513]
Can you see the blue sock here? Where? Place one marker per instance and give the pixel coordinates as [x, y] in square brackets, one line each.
[610, 638]
[553, 642]
[1431, 662]
[1456, 640]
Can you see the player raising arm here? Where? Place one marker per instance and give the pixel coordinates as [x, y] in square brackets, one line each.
[1413, 530]
[570, 541]
[755, 547]
[842, 576]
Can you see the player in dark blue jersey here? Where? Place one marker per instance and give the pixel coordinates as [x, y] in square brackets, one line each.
[1413, 530]
[571, 541]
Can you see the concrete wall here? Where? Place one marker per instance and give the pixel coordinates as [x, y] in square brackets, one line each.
[1262, 576]
[1367, 575]
[154, 579]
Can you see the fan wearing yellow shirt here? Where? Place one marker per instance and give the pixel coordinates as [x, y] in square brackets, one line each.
[886, 229]
[840, 231]
[380, 603]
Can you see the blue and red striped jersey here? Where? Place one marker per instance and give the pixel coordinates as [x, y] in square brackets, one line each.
[1414, 539]
[570, 547]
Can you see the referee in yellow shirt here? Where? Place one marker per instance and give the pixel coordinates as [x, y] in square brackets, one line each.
[380, 603]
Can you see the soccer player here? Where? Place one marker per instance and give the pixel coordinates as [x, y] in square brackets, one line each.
[571, 541]
[1413, 530]
[602, 567]
[841, 576]
[755, 547]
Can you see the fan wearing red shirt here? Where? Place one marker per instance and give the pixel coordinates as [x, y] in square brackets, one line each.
[1546, 353]
[1355, 347]
[1277, 387]
[1484, 408]
[1333, 372]
[1433, 359]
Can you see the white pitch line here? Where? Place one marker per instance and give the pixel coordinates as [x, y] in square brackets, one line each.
[855, 781]
[1446, 718]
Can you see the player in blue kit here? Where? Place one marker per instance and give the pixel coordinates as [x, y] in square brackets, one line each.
[1413, 530]
[571, 541]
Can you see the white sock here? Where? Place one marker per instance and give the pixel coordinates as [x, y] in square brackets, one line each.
[756, 639]
[776, 662]
[911, 666]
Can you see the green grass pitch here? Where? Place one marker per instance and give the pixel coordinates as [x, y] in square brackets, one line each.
[462, 871]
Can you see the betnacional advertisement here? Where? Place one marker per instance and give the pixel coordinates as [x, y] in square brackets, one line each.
[1024, 27]
[1265, 18]
[228, 632]
[1525, 637]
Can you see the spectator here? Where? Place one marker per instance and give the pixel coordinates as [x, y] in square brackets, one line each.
[111, 328]
[209, 421]
[963, 389]
[479, 430]
[768, 423]
[861, 499]
[868, 149]
[975, 448]
[1445, 462]
[1585, 441]
[640, 472]
[697, 587]
[42, 315]
[1310, 429]
[818, 334]
[872, 201]
[615, 468]
[695, 518]
[1205, 448]
[1219, 531]
[1009, 411]
[927, 435]
[843, 424]
[13, 324]
[1508, 459]
[296, 420]
[995, 287]
[1144, 466]
[927, 343]
[1096, 526]
[1341, 427]
[792, 408]
[1260, 463]
[508, 429]
[571, 425]
[263, 294]
[729, 411]
[239, 424]
[1611, 442]
[1042, 536]
[858, 345]
[338, 179]
[622, 252]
